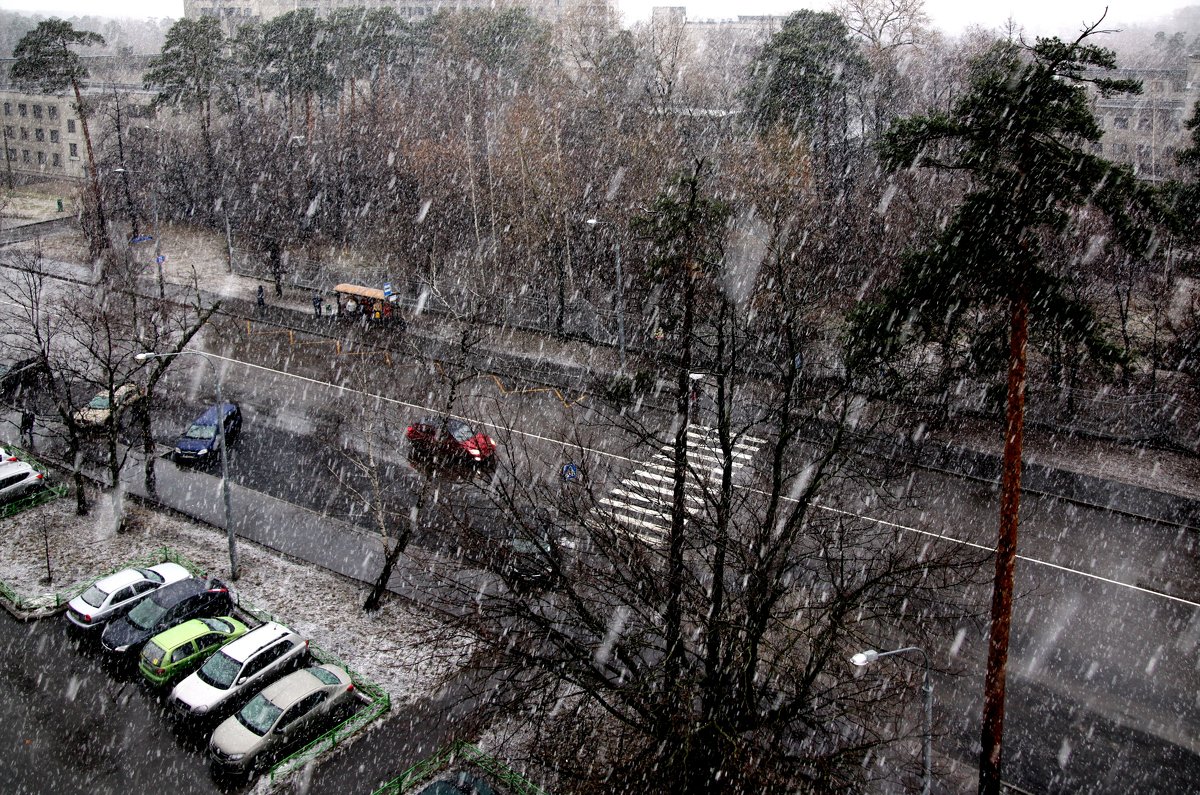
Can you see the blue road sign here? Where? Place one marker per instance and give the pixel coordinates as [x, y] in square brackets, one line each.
[160, 259]
[387, 289]
[570, 472]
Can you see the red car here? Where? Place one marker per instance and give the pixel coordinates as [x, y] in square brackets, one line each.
[450, 437]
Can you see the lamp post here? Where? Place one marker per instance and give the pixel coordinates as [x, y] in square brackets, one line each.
[594, 222]
[870, 656]
[145, 357]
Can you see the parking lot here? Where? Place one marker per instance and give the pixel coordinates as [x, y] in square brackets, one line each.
[71, 724]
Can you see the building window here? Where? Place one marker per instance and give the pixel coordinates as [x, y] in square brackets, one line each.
[56, 160]
[1097, 148]
[41, 158]
[7, 108]
[1120, 149]
[74, 150]
[39, 134]
[37, 111]
[52, 111]
[1144, 151]
[24, 134]
[1121, 122]
[1156, 86]
[70, 125]
[54, 136]
[25, 158]
[12, 154]
[22, 110]
[9, 132]
[1145, 123]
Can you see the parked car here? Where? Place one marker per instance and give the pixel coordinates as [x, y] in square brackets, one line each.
[18, 479]
[170, 605]
[239, 670]
[177, 652]
[115, 595]
[7, 457]
[457, 783]
[451, 438]
[21, 376]
[298, 706]
[100, 410]
[201, 440]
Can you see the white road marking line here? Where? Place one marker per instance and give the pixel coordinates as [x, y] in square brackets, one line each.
[627, 459]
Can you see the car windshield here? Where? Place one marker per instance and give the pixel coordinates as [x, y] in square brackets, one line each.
[219, 671]
[99, 402]
[94, 596]
[198, 431]
[325, 675]
[259, 715]
[217, 625]
[460, 431]
[152, 653]
[146, 614]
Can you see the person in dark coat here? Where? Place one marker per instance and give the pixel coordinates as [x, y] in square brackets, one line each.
[318, 303]
[262, 297]
[27, 420]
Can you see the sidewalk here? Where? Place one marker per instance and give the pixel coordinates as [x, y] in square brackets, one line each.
[1155, 484]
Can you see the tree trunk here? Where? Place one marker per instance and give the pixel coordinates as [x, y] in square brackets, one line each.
[385, 573]
[1006, 553]
[98, 243]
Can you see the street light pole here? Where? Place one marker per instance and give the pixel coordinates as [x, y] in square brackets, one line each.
[870, 656]
[145, 357]
[593, 222]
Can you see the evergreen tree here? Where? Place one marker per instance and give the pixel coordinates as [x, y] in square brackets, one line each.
[44, 61]
[1019, 134]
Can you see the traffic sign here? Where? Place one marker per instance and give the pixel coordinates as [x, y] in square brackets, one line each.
[160, 259]
[387, 290]
[570, 472]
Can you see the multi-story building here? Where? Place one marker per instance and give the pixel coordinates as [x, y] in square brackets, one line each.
[41, 135]
[1146, 130]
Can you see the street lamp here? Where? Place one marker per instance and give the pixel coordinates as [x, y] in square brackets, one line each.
[594, 222]
[145, 357]
[870, 656]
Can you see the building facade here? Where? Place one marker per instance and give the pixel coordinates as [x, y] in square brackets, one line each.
[1147, 130]
[234, 13]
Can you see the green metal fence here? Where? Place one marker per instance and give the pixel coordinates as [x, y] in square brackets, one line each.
[460, 753]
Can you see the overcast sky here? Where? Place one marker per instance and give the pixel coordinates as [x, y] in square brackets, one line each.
[951, 16]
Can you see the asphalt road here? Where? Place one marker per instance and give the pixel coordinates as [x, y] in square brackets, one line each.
[1101, 673]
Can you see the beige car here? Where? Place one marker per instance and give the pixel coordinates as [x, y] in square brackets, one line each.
[296, 708]
[99, 411]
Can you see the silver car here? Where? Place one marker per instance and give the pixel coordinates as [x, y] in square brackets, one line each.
[238, 670]
[18, 479]
[115, 595]
[297, 707]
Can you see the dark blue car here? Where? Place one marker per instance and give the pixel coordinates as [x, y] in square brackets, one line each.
[201, 441]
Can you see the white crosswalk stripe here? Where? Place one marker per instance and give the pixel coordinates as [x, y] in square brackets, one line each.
[642, 502]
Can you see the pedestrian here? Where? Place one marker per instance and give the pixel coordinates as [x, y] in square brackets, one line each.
[27, 419]
[262, 297]
[318, 304]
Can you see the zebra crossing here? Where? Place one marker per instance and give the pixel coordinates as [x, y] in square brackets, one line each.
[641, 502]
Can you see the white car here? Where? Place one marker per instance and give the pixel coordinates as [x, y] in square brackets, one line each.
[99, 411]
[7, 457]
[293, 709]
[239, 670]
[115, 595]
[18, 479]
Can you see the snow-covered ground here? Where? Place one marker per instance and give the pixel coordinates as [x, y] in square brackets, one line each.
[386, 647]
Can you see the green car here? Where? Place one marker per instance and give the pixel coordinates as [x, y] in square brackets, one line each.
[179, 650]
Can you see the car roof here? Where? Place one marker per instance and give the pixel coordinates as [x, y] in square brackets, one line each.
[119, 579]
[245, 646]
[188, 630]
[209, 417]
[291, 688]
[178, 591]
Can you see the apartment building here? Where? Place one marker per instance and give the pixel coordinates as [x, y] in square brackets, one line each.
[1146, 130]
